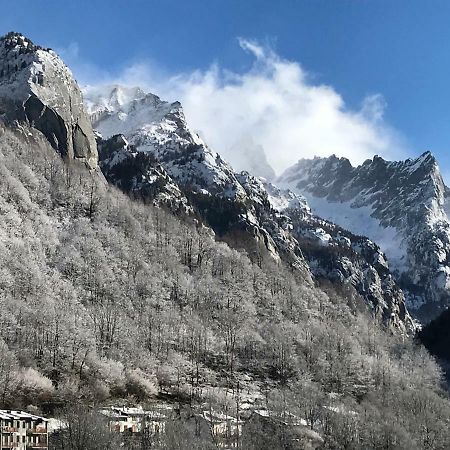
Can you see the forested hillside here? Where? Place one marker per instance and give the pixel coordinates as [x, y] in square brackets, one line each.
[102, 298]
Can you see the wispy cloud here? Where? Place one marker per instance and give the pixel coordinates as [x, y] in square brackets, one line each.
[276, 103]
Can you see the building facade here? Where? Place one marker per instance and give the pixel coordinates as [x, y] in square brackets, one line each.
[22, 431]
[136, 420]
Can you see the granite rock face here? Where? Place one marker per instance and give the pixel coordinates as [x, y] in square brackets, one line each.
[36, 87]
[401, 205]
[344, 259]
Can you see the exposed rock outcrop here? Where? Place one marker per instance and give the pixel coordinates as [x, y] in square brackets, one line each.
[401, 205]
[140, 175]
[37, 87]
[343, 258]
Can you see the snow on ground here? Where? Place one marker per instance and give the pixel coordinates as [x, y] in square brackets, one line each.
[360, 222]
[281, 199]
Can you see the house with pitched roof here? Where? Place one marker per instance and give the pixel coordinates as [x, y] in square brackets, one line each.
[22, 431]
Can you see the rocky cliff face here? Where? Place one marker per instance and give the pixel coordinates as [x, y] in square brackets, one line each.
[140, 175]
[36, 87]
[343, 258]
[401, 205]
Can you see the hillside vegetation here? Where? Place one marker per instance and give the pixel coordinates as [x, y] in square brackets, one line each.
[105, 298]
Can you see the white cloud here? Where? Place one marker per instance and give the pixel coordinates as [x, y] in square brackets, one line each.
[253, 47]
[276, 103]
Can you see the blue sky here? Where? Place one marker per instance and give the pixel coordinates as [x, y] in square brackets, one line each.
[398, 49]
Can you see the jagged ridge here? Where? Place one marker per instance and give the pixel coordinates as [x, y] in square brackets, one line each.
[406, 200]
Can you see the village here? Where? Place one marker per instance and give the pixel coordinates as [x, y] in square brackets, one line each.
[223, 430]
[23, 431]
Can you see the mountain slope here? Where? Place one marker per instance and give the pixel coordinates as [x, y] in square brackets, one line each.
[104, 299]
[401, 205]
[157, 133]
[342, 257]
[241, 209]
[163, 161]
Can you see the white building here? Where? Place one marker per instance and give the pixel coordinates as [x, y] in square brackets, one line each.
[136, 420]
[22, 431]
[224, 428]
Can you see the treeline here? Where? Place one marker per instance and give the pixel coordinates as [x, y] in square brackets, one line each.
[104, 298]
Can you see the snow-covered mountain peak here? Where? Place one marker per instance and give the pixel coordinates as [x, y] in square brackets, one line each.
[336, 179]
[401, 205]
[111, 98]
[15, 42]
[121, 109]
[159, 128]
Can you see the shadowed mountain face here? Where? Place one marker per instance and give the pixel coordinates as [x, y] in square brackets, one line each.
[401, 205]
[36, 87]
